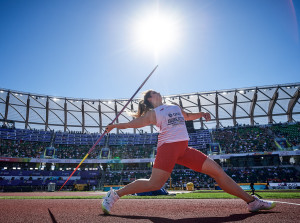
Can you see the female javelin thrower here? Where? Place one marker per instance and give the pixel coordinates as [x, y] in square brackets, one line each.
[173, 149]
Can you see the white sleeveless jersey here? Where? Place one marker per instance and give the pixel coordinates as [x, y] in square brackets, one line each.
[171, 123]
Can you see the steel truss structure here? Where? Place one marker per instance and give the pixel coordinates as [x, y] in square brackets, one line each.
[243, 106]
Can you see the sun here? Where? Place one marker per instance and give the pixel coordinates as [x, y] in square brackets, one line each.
[158, 33]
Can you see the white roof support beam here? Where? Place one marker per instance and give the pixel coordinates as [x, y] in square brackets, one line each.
[83, 120]
[234, 109]
[100, 118]
[47, 114]
[6, 105]
[271, 106]
[217, 111]
[292, 104]
[252, 107]
[27, 111]
[199, 107]
[65, 115]
[116, 113]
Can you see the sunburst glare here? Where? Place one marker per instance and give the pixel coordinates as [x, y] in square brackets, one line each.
[157, 33]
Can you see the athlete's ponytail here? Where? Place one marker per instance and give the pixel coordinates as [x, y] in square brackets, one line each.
[144, 105]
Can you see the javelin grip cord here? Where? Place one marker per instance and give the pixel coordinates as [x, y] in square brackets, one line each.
[97, 142]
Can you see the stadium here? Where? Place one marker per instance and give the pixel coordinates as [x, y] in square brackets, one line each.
[225, 85]
[254, 135]
[253, 130]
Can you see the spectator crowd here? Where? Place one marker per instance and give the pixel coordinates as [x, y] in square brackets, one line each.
[180, 177]
[245, 139]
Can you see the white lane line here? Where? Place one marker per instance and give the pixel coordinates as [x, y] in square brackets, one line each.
[286, 202]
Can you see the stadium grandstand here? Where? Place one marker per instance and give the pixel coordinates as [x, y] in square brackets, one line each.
[254, 135]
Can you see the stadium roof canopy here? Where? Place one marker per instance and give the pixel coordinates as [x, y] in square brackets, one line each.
[250, 106]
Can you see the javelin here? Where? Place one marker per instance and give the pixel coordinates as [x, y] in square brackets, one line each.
[96, 143]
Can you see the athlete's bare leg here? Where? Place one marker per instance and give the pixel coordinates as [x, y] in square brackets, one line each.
[156, 181]
[214, 170]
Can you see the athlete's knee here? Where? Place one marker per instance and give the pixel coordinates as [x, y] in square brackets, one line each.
[213, 169]
[155, 185]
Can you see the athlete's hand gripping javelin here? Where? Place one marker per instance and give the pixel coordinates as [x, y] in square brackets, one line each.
[206, 116]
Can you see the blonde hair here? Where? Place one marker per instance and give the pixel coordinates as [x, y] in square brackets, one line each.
[144, 105]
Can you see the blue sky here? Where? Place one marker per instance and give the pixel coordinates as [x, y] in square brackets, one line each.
[89, 49]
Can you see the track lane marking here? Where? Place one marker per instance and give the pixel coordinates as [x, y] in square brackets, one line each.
[285, 202]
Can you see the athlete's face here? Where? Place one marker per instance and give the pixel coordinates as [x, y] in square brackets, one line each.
[155, 96]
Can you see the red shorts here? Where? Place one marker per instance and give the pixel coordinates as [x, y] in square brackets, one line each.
[169, 154]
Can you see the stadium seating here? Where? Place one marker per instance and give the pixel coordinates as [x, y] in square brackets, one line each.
[182, 176]
[289, 131]
[245, 139]
[77, 139]
[31, 143]
[38, 178]
[21, 143]
[76, 145]
[25, 135]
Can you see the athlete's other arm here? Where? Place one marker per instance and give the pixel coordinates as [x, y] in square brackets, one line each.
[145, 120]
[192, 116]
[188, 116]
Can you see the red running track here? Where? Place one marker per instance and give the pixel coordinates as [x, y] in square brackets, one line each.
[142, 210]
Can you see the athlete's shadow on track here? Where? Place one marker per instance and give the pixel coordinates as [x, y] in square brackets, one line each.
[230, 218]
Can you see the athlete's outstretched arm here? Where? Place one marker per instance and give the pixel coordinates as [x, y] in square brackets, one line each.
[147, 119]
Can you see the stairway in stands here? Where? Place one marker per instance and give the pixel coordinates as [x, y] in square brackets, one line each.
[52, 138]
